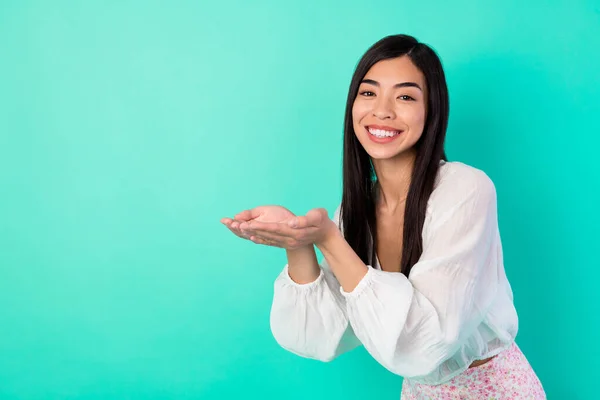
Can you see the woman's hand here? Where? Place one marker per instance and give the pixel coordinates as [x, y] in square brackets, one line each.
[276, 214]
[279, 227]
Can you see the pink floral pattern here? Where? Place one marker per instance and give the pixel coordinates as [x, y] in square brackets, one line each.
[508, 376]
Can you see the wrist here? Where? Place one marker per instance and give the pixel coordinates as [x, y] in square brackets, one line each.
[303, 267]
[331, 234]
[308, 249]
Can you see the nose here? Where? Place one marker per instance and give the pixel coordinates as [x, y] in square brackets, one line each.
[383, 109]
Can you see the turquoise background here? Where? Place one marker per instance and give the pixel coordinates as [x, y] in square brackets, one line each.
[128, 129]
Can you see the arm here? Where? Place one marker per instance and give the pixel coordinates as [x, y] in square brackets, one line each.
[303, 266]
[308, 313]
[412, 325]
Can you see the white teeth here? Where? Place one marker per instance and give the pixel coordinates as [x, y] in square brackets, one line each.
[381, 133]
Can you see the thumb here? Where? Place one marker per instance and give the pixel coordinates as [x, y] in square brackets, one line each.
[312, 219]
[316, 216]
[248, 215]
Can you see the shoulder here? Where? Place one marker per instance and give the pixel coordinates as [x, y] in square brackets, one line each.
[455, 177]
[458, 181]
[336, 217]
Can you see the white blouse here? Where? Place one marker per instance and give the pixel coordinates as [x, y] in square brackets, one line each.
[455, 307]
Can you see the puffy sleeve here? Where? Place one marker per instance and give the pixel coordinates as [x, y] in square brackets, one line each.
[310, 320]
[412, 325]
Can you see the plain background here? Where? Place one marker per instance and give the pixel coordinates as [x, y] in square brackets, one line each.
[128, 129]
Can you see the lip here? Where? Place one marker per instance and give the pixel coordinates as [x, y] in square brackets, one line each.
[383, 128]
[384, 139]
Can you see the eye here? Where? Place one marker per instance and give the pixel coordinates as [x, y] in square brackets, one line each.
[367, 93]
[406, 97]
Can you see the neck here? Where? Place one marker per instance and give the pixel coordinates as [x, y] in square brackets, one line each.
[394, 177]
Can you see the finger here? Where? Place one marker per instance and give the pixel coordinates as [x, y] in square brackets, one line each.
[298, 236]
[266, 242]
[313, 218]
[239, 233]
[226, 221]
[233, 226]
[247, 215]
[316, 216]
[278, 228]
[266, 235]
[233, 222]
[299, 222]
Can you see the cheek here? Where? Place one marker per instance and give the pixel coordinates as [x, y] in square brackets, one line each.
[422, 117]
[417, 117]
[359, 110]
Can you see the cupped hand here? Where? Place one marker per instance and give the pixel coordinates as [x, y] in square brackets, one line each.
[271, 213]
[279, 227]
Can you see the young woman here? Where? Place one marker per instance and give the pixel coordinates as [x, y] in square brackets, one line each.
[413, 266]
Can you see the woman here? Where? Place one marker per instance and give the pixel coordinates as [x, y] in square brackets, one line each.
[413, 266]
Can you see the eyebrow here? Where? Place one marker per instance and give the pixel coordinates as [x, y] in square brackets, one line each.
[397, 85]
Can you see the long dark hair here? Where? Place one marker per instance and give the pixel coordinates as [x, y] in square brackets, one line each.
[357, 211]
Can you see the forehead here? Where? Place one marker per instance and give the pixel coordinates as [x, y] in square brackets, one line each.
[395, 70]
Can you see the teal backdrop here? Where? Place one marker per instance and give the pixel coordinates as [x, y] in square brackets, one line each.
[128, 129]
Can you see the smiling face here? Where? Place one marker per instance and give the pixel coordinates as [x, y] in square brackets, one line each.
[389, 111]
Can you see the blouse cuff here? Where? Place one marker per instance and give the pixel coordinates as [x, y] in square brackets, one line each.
[301, 286]
[362, 285]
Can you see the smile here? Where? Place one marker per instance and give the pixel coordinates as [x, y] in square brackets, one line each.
[382, 134]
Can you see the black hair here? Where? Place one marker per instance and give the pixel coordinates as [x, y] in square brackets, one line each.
[357, 210]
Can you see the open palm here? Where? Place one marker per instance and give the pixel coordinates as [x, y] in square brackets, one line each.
[277, 226]
[271, 213]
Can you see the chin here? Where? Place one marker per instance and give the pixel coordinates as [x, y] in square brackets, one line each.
[388, 154]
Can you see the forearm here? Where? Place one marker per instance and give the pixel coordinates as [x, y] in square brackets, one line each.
[303, 266]
[345, 264]
[308, 319]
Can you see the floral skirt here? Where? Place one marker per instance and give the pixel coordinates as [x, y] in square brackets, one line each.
[507, 376]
